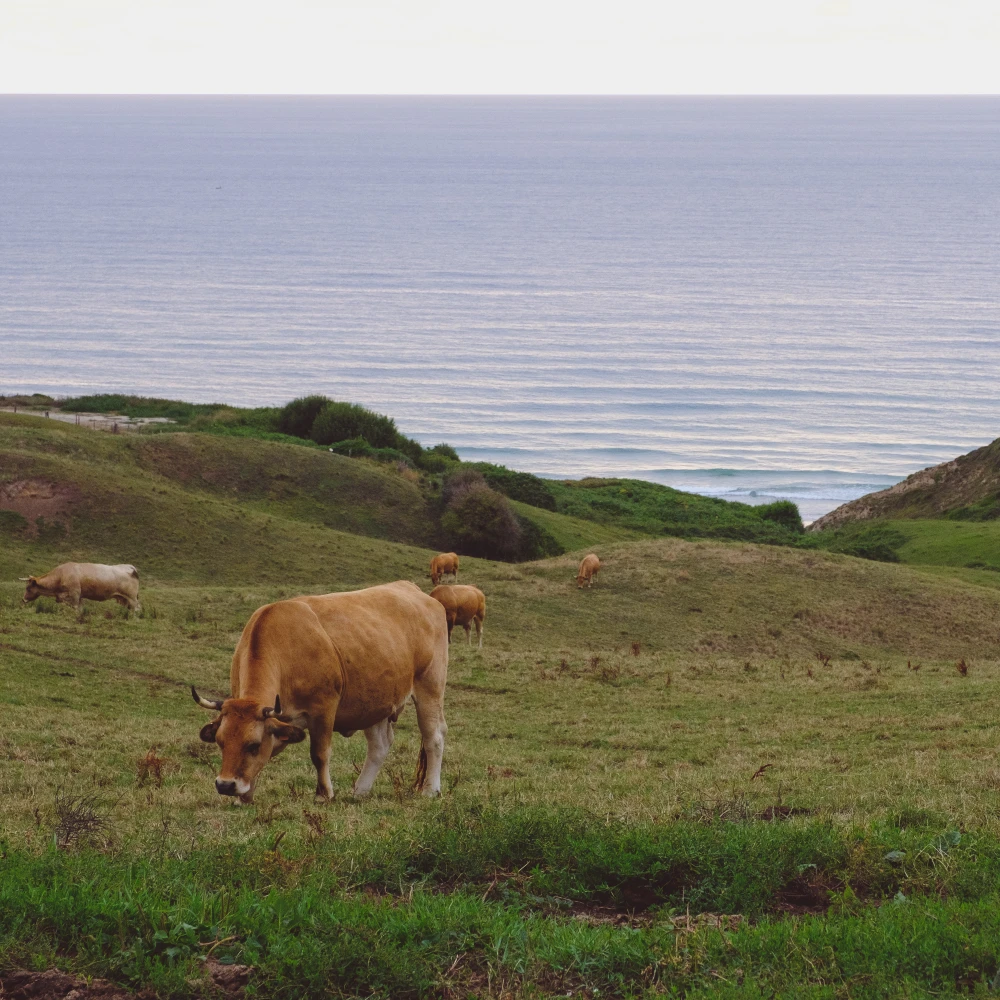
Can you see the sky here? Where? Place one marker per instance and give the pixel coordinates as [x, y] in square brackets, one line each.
[503, 47]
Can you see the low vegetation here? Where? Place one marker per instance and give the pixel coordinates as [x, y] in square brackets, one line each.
[730, 768]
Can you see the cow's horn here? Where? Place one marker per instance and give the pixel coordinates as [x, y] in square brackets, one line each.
[213, 706]
[24, 579]
[270, 712]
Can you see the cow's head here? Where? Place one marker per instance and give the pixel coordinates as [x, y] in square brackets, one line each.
[249, 735]
[31, 589]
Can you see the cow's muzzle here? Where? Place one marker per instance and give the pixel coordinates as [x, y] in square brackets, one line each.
[225, 787]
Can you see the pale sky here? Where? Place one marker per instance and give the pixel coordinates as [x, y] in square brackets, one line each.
[503, 47]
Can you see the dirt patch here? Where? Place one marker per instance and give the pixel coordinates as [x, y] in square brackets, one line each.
[37, 498]
[55, 985]
[806, 894]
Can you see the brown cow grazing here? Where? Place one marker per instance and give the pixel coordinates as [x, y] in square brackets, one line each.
[335, 663]
[443, 565]
[71, 583]
[463, 606]
[590, 566]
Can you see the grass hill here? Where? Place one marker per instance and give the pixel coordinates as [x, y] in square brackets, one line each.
[197, 509]
[965, 489]
[728, 768]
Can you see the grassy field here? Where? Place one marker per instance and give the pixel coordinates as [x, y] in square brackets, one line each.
[727, 769]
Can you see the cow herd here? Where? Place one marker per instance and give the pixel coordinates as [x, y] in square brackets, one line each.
[319, 665]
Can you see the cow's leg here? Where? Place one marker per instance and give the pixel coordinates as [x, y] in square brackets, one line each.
[479, 631]
[468, 633]
[429, 699]
[320, 735]
[379, 739]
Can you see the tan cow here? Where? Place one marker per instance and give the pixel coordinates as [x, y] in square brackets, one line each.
[335, 663]
[590, 566]
[463, 606]
[71, 583]
[443, 565]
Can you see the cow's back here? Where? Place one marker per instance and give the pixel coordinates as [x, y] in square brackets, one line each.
[95, 581]
[371, 643]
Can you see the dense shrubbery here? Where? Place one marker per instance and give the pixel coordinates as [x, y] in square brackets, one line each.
[342, 421]
[520, 486]
[329, 422]
[297, 417]
[479, 521]
[783, 513]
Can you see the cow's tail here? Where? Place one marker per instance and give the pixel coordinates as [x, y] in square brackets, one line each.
[421, 775]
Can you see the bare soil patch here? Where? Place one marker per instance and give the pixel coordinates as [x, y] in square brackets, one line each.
[55, 985]
[35, 498]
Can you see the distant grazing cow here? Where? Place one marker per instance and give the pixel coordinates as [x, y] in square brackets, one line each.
[463, 606]
[443, 565]
[335, 663]
[589, 568]
[72, 583]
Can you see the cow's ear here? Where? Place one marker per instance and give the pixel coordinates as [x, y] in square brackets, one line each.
[285, 732]
[208, 732]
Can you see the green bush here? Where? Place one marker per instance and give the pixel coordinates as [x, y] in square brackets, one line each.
[438, 459]
[536, 542]
[298, 416]
[783, 513]
[445, 451]
[343, 421]
[521, 486]
[360, 448]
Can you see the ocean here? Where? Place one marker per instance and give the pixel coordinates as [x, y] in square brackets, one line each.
[748, 297]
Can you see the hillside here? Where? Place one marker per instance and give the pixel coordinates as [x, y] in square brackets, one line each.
[717, 727]
[964, 489]
[189, 506]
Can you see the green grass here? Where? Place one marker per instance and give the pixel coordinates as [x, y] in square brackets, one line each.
[654, 509]
[950, 543]
[775, 736]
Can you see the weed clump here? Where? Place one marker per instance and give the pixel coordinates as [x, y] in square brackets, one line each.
[77, 819]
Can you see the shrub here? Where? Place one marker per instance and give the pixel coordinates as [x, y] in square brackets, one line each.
[480, 522]
[536, 542]
[413, 450]
[461, 481]
[341, 421]
[784, 513]
[522, 486]
[297, 417]
[439, 458]
[445, 451]
[360, 448]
